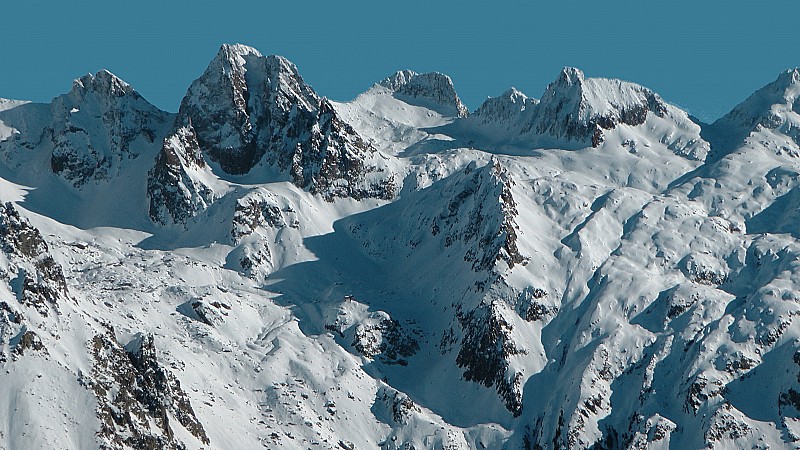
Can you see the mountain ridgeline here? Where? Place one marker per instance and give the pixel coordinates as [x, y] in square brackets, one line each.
[591, 269]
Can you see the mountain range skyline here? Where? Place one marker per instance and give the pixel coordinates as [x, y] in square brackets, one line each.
[695, 55]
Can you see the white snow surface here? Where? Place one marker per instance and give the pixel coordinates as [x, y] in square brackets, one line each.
[523, 290]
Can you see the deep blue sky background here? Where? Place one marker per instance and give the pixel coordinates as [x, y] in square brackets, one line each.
[703, 55]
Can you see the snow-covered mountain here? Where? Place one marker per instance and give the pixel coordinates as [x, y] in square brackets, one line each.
[249, 111]
[271, 269]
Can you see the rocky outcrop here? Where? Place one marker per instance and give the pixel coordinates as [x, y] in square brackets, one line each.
[486, 350]
[34, 276]
[211, 313]
[481, 215]
[379, 336]
[398, 406]
[176, 186]
[137, 397]
[261, 208]
[16, 340]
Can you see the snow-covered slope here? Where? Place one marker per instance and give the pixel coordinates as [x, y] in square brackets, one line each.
[270, 269]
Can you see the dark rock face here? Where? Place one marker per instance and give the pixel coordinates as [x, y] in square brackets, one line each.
[39, 279]
[98, 125]
[433, 90]
[386, 339]
[532, 307]
[247, 108]
[485, 351]
[332, 160]
[15, 338]
[487, 342]
[260, 209]
[175, 195]
[490, 230]
[134, 391]
[399, 407]
[29, 341]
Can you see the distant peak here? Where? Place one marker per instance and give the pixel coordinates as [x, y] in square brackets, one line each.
[766, 106]
[514, 95]
[231, 51]
[570, 76]
[432, 87]
[578, 108]
[399, 79]
[506, 107]
[788, 78]
[103, 82]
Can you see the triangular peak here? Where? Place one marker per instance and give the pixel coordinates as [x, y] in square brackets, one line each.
[103, 83]
[765, 105]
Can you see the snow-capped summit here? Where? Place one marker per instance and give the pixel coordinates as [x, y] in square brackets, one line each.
[86, 136]
[98, 125]
[433, 90]
[578, 112]
[234, 54]
[577, 108]
[507, 107]
[101, 83]
[770, 107]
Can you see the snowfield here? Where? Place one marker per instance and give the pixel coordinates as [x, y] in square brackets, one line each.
[271, 269]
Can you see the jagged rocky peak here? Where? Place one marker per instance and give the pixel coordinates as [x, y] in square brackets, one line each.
[769, 106]
[103, 83]
[241, 107]
[98, 125]
[175, 185]
[483, 209]
[577, 108]
[136, 397]
[235, 74]
[505, 108]
[250, 110]
[434, 90]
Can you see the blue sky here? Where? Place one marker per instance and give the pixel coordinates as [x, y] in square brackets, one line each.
[703, 55]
